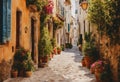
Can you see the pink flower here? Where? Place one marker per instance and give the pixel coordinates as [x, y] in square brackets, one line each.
[93, 65]
[49, 7]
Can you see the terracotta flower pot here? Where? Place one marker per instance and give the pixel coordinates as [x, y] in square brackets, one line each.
[51, 56]
[55, 51]
[59, 51]
[83, 63]
[28, 73]
[21, 73]
[92, 70]
[45, 59]
[98, 72]
[88, 61]
[14, 74]
[97, 75]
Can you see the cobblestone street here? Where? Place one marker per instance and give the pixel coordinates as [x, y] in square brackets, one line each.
[62, 68]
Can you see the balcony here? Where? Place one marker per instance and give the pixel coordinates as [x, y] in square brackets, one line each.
[60, 17]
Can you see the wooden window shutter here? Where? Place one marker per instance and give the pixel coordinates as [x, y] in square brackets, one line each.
[4, 27]
[5, 22]
[8, 19]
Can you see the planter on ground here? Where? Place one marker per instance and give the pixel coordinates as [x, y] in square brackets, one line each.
[88, 61]
[14, 73]
[55, 51]
[28, 73]
[59, 50]
[83, 62]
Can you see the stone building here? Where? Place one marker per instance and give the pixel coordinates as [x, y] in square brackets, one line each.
[19, 27]
[58, 14]
[108, 52]
[67, 20]
[82, 20]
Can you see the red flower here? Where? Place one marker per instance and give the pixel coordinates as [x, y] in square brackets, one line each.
[49, 7]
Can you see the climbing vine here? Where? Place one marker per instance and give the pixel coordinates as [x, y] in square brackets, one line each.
[112, 29]
[39, 3]
[105, 14]
[57, 23]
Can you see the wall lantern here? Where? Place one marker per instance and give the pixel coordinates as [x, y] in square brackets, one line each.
[84, 5]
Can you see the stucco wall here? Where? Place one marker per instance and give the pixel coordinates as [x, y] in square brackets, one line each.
[7, 50]
[111, 53]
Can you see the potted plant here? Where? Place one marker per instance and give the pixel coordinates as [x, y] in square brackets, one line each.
[29, 67]
[51, 56]
[102, 71]
[91, 53]
[62, 47]
[68, 45]
[83, 62]
[20, 57]
[88, 56]
[59, 50]
[53, 42]
[14, 71]
[55, 50]
[40, 4]
[45, 46]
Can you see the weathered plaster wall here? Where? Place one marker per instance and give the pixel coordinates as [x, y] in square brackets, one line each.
[7, 50]
[111, 53]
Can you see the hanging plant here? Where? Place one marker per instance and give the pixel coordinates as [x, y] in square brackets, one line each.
[57, 23]
[49, 7]
[38, 3]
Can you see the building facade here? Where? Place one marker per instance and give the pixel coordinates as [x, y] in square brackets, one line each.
[84, 24]
[19, 27]
[67, 20]
[58, 14]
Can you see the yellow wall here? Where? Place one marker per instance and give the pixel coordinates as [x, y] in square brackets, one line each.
[6, 49]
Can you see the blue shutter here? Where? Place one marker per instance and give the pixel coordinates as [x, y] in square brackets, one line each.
[5, 20]
[1, 20]
[8, 19]
[4, 38]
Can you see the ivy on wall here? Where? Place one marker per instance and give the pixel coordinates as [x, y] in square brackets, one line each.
[57, 23]
[112, 9]
[95, 13]
[39, 3]
[105, 14]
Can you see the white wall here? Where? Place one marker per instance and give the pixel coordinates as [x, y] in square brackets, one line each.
[82, 18]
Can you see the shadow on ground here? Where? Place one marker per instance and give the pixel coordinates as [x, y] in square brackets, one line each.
[77, 54]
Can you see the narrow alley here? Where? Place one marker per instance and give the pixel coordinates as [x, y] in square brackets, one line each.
[65, 67]
[59, 41]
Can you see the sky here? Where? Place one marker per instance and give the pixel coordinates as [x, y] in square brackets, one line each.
[73, 7]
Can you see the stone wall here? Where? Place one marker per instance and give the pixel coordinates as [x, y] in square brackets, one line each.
[111, 53]
[5, 70]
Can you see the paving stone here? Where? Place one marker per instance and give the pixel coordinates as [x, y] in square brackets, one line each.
[62, 68]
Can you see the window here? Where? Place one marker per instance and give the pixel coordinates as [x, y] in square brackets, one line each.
[5, 21]
[68, 27]
[76, 11]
